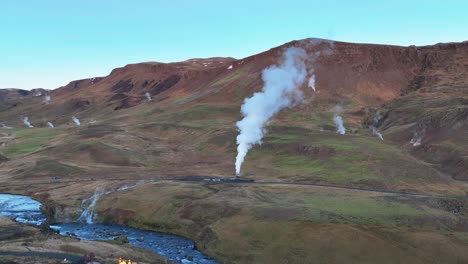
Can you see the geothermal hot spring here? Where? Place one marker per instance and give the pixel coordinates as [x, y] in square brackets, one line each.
[24, 209]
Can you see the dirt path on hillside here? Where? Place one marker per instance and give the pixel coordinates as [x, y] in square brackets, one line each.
[233, 180]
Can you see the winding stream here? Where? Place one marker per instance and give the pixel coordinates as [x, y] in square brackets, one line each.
[178, 249]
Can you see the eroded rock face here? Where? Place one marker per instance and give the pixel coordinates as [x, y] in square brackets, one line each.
[58, 213]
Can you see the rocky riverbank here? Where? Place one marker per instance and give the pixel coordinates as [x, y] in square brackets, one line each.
[23, 243]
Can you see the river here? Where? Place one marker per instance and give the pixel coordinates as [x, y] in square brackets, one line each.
[178, 249]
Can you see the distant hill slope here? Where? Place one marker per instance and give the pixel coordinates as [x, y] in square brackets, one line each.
[320, 196]
[409, 94]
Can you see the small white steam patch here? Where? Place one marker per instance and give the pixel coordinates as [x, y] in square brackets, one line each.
[373, 127]
[416, 142]
[376, 132]
[47, 99]
[76, 121]
[280, 90]
[417, 137]
[148, 96]
[311, 83]
[340, 129]
[49, 124]
[230, 67]
[26, 122]
[37, 93]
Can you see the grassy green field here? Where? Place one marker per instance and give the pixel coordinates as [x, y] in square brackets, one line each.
[28, 140]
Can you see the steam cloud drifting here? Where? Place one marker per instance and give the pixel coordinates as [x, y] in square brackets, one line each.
[148, 96]
[373, 127]
[311, 83]
[76, 121]
[340, 129]
[47, 99]
[26, 122]
[376, 133]
[49, 124]
[280, 90]
[418, 137]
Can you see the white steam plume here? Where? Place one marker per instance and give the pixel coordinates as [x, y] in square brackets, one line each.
[373, 127]
[49, 124]
[26, 122]
[76, 121]
[417, 137]
[311, 83]
[340, 129]
[47, 99]
[376, 132]
[148, 96]
[280, 90]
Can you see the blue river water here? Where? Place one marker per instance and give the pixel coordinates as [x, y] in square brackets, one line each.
[178, 249]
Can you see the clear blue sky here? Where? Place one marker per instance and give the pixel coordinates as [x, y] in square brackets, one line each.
[47, 43]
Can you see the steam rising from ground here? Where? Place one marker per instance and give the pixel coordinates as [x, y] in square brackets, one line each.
[417, 137]
[373, 127]
[340, 129]
[49, 124]
[311, 83]
[76, 121]
[280, 90]
[148, 96]
[47, 99]
[376, 133]
[26, 122]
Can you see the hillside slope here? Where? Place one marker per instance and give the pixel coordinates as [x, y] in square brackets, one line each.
[416, 97]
